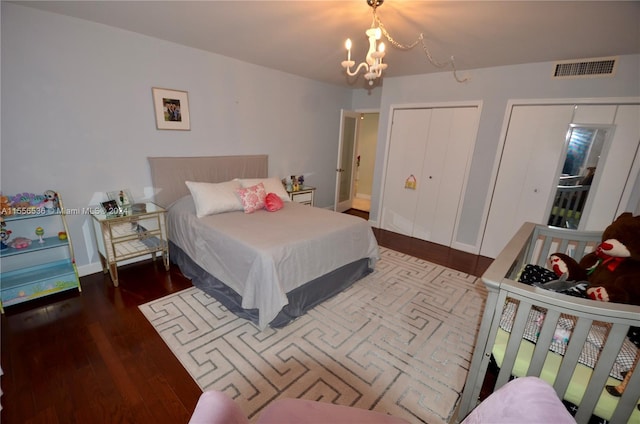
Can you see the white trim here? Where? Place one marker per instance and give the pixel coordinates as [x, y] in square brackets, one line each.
[464, 247]
[577, 101]
[89, 269]
[433, 105]
[366, 110]
[95, 267]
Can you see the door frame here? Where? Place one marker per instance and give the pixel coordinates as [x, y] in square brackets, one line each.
[345, 205]
[356, 114]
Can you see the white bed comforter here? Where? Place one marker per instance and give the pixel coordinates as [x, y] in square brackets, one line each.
[264, 255]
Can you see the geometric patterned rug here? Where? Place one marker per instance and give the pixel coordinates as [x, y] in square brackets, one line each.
[398, 341]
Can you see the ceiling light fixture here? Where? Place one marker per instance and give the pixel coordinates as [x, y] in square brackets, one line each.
[373, 65]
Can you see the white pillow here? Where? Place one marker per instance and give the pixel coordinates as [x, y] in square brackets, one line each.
[271, 185]
[213, 198]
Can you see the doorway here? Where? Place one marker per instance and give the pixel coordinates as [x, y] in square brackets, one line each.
[356, 160]
[365, 160]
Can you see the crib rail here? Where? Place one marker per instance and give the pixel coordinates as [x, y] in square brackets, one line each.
[531, 245]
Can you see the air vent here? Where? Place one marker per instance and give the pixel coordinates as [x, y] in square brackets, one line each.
[581, 68]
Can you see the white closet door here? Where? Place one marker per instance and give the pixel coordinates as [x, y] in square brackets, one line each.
[407, 144]
[450, 142]
[533, 148]
[616, 167]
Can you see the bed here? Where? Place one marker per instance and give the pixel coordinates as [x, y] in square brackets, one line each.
[268, 267]
[518, 354]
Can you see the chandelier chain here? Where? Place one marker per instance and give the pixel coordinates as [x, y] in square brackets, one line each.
[451, 62]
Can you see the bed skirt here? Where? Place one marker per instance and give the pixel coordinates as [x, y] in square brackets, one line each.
[300, 299]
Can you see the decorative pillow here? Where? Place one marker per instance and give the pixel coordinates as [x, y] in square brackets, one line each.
[271, 185]
[252, 198]
[273, 202]
[213, 198]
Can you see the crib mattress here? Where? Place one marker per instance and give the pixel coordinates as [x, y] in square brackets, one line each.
[577, 386]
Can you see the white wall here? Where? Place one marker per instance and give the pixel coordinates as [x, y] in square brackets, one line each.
[367, 98]
[494, 87]
[77, 113]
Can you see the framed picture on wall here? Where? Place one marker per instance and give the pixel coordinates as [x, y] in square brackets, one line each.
[172, 109]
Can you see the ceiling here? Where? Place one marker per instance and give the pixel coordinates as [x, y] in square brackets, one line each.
[306, 37]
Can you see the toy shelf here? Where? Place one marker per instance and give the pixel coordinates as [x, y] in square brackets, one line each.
[39, 269]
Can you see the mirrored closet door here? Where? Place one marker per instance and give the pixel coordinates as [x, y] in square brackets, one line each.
[564, 165]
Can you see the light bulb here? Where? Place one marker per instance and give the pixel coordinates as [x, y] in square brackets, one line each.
[347, 44]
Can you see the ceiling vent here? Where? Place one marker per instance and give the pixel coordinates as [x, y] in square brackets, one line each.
[586, 68]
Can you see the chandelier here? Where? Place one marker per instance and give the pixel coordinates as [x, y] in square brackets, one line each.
[373, 65]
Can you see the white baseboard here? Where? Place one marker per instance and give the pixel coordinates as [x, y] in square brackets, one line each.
[466, 248]
[96, 267]
[89, 269]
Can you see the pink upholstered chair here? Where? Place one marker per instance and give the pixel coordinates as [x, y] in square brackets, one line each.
[523, 400]
[217, 408]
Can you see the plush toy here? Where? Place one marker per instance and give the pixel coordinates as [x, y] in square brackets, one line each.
[612, 272]
[613, 269]
[4, 238]
[20, 243]
[4, 234]
[22, 201]
[50, 202]
[5, 206]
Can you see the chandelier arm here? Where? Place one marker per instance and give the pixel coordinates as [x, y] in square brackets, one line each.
[360, 66]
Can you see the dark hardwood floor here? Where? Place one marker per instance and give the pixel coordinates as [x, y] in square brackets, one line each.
[92, 357]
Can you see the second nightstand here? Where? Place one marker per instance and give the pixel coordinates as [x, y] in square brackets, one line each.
[304, 195]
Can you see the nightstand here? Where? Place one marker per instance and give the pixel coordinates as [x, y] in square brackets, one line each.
[130, 235]
[304, 195]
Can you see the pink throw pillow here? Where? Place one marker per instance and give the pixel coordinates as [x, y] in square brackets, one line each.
[273, 202]
[252, 198]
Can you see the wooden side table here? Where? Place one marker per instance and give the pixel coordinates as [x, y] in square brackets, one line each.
[130, 235]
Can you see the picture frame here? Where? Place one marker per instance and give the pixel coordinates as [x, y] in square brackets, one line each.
[171, 109]
[123, 197]
[110, 208]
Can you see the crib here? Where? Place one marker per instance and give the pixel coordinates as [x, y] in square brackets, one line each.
[584, 386]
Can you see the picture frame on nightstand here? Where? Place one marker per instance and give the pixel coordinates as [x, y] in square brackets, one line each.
[110, 208]
[123, 198]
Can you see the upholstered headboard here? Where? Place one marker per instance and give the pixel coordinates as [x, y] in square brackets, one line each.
[168, 174]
